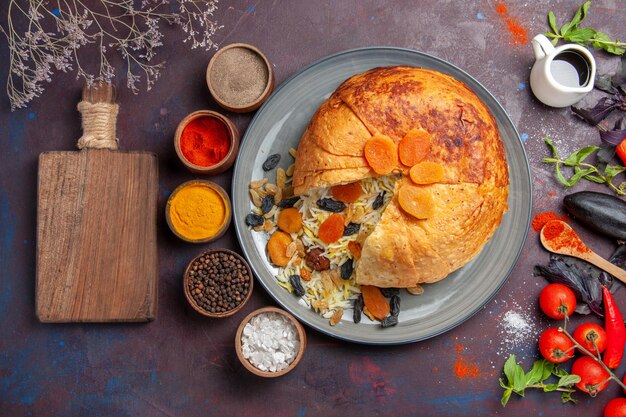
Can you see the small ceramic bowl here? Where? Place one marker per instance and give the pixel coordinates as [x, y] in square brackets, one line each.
[187, 283]
[301, 337]
[227, 209]
[233, 136]
[240, 78]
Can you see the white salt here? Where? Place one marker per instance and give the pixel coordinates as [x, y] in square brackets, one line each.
[270, 342]
[517, 329]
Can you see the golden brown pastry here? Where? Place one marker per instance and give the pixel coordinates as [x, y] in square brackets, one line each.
[467, 203]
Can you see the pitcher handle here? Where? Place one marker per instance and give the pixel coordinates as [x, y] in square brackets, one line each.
[542, 46]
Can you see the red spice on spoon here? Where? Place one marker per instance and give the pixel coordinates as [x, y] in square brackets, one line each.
[559, 235]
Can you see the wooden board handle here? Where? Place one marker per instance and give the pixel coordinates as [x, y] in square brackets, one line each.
[99, 116]
[100, 92]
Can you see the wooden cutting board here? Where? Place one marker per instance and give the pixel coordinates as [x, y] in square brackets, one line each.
[96, 228]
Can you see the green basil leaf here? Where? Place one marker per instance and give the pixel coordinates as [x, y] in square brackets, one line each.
[548, 368]
[579, 16]
[603, 41]
[561, 177]
[581, 35]
[552, 22]
[505, 397]
[558, 372]
[580, 155]
[509, 369]
[580, 173]
[595, 178]
[568, 380]
[622, 187]
[503, 385]
[534, 375]
[567, 397]
[519, 380]
[550, 387]
[612, 170]
[552, 147]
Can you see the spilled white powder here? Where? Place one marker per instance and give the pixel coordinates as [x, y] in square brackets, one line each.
[517, 330]
[270, 342]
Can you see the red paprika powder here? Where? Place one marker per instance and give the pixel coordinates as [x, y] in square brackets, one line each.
[205, 141]
[541, 219]
[561, 236]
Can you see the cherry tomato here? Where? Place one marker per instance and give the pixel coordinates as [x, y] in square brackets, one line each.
[587, 333]
[557, 301]
[555, 346]
[593, 377]
[615, 408]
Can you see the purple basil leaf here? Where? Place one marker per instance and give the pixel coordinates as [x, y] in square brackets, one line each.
[599, 112]
[604, 83]
[605, 154]
[613, 137]
[618, 258]
[619, 79]
[580, 276]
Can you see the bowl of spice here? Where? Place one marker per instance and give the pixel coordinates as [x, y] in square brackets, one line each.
[240, 78]
[218, 283]
[270, 342]
[206, 142]
[198, 211]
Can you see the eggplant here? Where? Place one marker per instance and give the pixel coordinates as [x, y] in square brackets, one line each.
[602, 212]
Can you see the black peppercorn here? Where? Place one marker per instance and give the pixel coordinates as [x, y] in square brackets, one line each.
[218, 282]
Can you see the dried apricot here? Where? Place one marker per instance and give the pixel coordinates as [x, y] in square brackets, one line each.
[381, 154]
[347, 193]
[416, 201]
[426, 173]
[331, 229]
[375, 301]
[355, 249]
[414, 147]
[277, 248]
[289, 220]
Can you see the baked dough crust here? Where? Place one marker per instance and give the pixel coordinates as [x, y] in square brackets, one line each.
[469, 201]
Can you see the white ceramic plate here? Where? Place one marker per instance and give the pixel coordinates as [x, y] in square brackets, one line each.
[444, 305]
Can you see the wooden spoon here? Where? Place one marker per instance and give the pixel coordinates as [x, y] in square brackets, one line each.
[559, 237]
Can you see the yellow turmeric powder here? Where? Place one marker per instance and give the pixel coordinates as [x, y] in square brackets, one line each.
[197, 211]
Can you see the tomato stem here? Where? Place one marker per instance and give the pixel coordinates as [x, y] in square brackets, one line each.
[594, 357]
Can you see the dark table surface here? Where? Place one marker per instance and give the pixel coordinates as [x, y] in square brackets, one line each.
[184, 364]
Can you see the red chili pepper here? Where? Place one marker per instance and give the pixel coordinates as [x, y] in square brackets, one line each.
[621, 151]
[615, 331]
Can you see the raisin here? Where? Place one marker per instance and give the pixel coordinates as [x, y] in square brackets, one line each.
[390, 292]
[267, 203]
[389, 321]
[380, 199]
[328, 204]
[394, 303]
[351, 229]
[358, 308]
[271, 162]
[316, 261]
[346, 269]
[254, 220]
[295, 282]
[288, 202]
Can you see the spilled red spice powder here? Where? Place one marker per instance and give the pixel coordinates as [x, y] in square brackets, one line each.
[520, 36]
[464, 369]
[205, 141]
[560, 236]
[541, 219]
